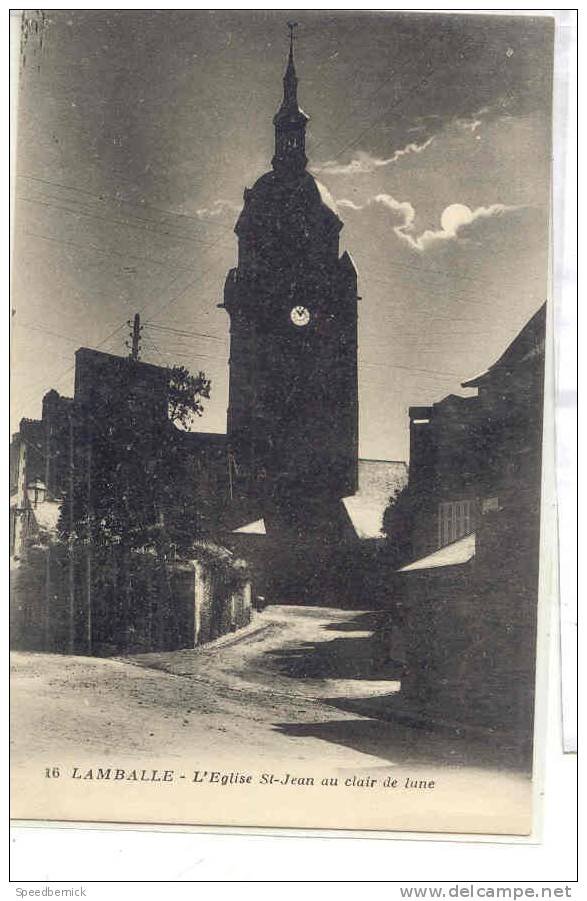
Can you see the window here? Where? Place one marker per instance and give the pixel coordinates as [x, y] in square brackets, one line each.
[455, 519]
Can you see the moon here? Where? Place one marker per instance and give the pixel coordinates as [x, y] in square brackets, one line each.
[454, 216]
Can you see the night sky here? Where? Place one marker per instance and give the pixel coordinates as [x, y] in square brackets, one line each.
[138, 131]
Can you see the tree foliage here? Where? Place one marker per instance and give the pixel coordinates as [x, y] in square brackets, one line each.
[137, 479]
[185, 395]
[397, 525]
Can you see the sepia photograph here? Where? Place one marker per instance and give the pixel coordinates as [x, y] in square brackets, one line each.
[279, 307]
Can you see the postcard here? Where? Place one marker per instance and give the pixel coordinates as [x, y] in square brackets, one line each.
[280, 300]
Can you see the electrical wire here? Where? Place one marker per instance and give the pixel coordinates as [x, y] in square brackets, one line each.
[119, 201]
[154, 231]
[170, 264]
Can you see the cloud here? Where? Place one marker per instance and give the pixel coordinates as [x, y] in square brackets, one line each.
[363, 163]
[218, 208]
[350, 204]
[469, 124]
[425, 129]
[455, 219]
[403, 208]
[475, 120]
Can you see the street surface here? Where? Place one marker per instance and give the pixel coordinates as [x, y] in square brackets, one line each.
[304, 686]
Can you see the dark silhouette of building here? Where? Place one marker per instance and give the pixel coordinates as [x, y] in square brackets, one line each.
[290, 456]
[42, 442]
[39, 470]
[292, 301]
[102, 379]
[49, 454]
[477, 457]
[466, 606]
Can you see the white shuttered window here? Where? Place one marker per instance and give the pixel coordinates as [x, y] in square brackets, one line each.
[454, 521]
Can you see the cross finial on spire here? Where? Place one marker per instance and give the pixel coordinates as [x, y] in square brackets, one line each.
[290, 81]
[292, 26]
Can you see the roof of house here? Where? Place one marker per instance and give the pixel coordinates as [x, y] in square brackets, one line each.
[90, 353]
[454, 554]
[378, 481]
[37, 483]
[253, 528]
[100, 377]
[527, 345]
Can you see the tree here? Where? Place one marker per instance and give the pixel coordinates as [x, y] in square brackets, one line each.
[397, 525]
[185, 395]
[135, 482]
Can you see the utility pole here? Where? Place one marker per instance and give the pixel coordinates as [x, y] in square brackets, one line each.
[135, 347]
[70, 541]
[89, 536]
[230, 462]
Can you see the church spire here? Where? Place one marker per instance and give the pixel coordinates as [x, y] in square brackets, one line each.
[290, 120]
[290, 79]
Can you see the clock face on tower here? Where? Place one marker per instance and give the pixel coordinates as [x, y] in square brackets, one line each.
[300, 316]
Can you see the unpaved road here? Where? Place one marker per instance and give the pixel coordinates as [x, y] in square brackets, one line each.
[253, 687]
[304, 686]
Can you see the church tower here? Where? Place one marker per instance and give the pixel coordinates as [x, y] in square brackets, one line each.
[292, 301]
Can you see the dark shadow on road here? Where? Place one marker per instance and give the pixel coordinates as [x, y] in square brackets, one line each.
[340, 658]
[393, 729]
[365, 621]
[349, 657]
[410, 745]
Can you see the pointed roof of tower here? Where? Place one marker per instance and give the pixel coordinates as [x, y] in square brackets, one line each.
[288, 191]
[290, 107]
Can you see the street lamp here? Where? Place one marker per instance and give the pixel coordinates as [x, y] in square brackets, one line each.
[36, 492]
